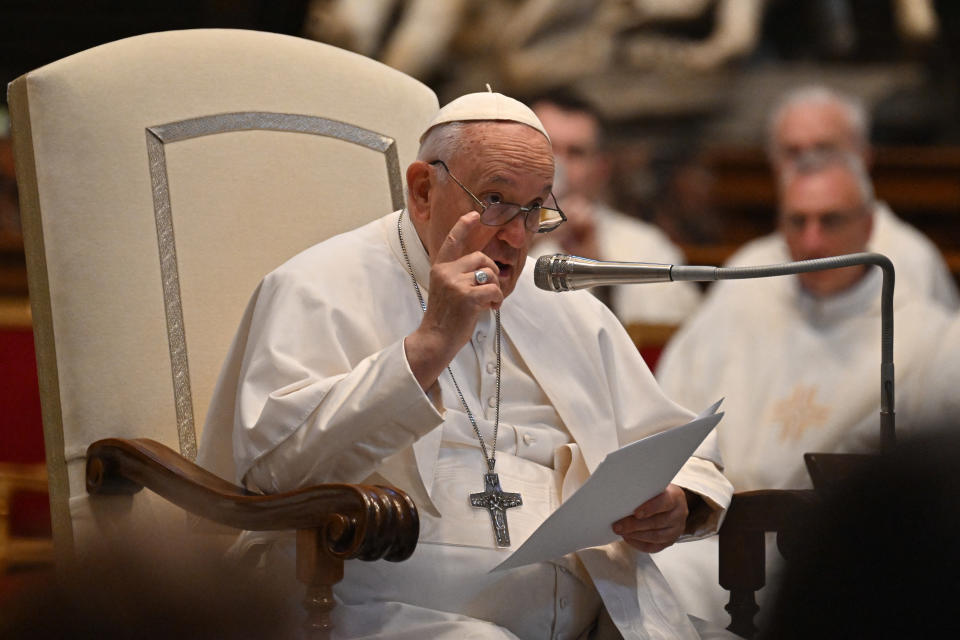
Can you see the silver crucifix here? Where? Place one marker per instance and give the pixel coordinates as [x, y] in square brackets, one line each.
[494, 500]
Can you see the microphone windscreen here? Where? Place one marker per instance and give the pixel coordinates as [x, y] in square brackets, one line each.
[541, 273]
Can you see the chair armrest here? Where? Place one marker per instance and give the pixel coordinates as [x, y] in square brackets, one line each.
[766, 509]
[827, 470]
[355, 521]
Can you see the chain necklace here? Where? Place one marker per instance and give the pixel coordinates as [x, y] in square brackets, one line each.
[493, 498]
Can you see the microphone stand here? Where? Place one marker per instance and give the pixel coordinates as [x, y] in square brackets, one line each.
[708, 274]
[551, 275]
[741, 581]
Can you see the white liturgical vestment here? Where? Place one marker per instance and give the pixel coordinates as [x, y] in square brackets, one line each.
[919, 264]
[799, 374]
[626, 239]
[317, 388]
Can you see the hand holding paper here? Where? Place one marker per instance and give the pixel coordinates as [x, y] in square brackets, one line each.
[626, 478]
[657, 523]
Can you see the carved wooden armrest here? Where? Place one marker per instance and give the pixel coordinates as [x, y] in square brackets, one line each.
[334, 522]
[743, 549]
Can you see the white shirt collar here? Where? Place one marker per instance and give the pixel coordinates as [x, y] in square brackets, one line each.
[419, 260]
[862, 297]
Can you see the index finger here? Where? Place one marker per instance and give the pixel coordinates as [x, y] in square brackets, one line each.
[460, 239]
[657, 504]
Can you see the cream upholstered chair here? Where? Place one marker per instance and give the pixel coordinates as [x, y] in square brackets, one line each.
[161, 177]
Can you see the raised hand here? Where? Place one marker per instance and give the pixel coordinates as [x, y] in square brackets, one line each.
[455, 301]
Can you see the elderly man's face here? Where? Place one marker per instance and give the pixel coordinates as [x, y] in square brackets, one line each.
[804, 128]
[822, 214]
[575, 138]
[507, 160]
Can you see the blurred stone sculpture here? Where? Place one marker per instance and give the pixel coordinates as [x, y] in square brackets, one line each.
[527, 46]
[552, 44]
[634, 58]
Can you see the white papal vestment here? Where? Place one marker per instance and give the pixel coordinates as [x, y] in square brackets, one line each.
[799, 374]
[316, 388]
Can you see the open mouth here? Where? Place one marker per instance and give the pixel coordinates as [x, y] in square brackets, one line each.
[504, 269]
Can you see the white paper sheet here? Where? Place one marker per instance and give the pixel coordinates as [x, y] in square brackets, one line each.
[625, 479]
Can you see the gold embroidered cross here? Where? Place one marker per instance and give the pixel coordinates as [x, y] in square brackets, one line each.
[799, 412]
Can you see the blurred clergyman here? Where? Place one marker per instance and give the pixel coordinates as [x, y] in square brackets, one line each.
[818, 119]
[593, 229]
[797, 357]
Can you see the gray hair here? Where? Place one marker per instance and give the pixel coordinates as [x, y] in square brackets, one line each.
[816, 161]
[442, 141]
[853, 108]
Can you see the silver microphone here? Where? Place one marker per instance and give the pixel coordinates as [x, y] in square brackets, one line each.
[566, 273]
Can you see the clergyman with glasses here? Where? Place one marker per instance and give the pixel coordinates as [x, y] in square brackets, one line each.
[416, 350]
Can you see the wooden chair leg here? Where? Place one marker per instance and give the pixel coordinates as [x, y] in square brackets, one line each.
[743, 547]
[319, 571]
[742, 572]
[742, 607]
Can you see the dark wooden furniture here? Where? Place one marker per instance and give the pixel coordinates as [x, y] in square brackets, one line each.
[753, 514]
[334, 522]
[743, 548]
[17, 550]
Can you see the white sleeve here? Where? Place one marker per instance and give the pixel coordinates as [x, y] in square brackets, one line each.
[363, 417]
[324, 393]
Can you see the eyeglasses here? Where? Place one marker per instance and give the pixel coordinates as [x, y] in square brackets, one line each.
[494, 213]
[830, 223]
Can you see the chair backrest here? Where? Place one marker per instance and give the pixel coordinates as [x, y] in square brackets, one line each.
[161, 177]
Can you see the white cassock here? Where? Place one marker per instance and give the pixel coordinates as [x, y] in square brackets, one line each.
[626, 239]
[316, 389]
[799, 375]
[919, 264]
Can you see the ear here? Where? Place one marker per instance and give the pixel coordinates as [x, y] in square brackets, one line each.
[419, 190]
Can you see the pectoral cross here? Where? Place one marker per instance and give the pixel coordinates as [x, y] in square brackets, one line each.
[494, 500]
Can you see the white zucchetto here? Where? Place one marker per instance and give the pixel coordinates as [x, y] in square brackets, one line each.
[486, 105]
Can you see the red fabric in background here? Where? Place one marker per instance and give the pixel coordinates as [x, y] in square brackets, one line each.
[21, 429]
[652, 356]
[30, 515]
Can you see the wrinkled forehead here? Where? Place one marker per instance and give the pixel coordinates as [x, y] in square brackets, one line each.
[507, 146]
